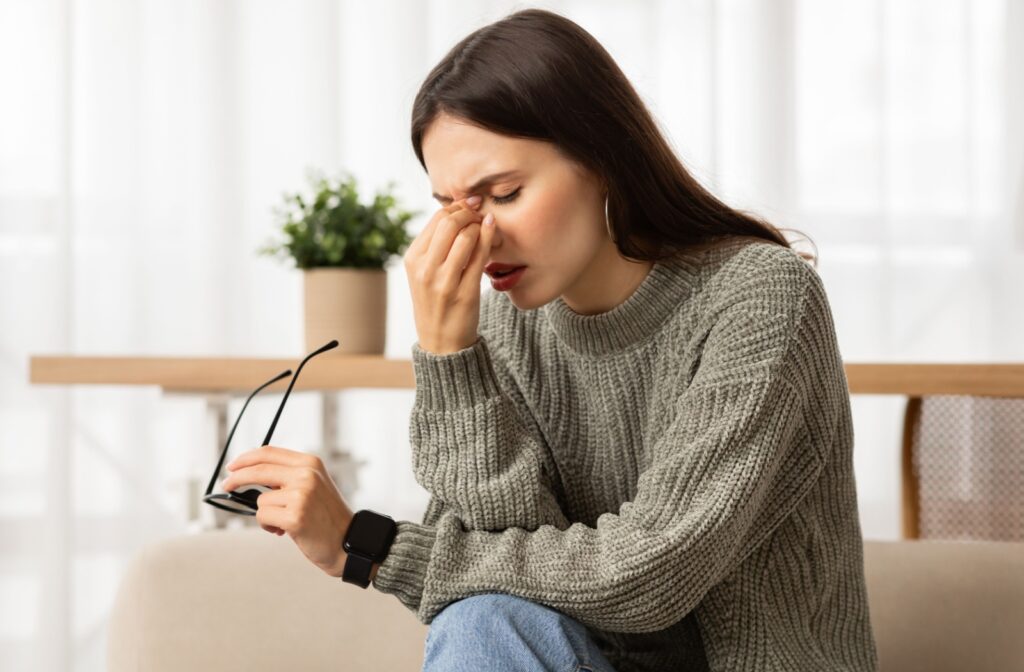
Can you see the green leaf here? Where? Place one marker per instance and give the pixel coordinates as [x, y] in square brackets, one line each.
[332, 228]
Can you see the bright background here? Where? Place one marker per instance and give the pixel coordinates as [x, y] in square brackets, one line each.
[143, 145]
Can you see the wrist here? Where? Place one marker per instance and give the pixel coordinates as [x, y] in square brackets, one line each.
[371, 535]
[338, 568]
[444, 349]
[457, 381]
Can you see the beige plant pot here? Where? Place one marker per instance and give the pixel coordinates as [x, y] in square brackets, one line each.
[347, 304]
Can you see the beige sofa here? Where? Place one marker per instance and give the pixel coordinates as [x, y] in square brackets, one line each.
[247, 600]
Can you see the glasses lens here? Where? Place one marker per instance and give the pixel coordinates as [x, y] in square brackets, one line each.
[225, 502]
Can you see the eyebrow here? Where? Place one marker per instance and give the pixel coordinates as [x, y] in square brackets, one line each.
[482, 182]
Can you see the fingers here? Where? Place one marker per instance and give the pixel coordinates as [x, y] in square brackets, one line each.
[272, 475]
[275, 530]
[462, 248]
[468, 256]
[475, 267]
[422, 242]
[275, 517]
[447, 230]
[273, 455]
[281, 497]
[274, 499]
[446, 314]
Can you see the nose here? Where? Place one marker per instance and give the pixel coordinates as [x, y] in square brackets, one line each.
[496, 237]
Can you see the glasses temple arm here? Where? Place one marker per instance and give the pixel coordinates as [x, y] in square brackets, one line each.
[291, 384]
[224, 452]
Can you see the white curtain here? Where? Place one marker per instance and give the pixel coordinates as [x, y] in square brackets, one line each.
[144, 143]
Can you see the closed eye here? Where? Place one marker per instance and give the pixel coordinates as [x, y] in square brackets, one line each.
[507, 198]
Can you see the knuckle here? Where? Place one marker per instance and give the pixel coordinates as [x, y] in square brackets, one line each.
[444, 291]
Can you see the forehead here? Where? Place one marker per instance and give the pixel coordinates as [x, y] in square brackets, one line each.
[457, 154]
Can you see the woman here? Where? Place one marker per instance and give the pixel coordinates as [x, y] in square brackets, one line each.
[639, 446]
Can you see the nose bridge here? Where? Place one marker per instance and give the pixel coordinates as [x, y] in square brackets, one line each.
[456, 191]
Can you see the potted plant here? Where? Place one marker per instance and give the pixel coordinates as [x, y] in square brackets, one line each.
[342, 247]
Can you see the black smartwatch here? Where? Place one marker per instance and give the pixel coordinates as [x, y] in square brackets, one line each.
[367, 541]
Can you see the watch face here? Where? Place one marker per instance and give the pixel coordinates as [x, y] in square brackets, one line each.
[369, 533]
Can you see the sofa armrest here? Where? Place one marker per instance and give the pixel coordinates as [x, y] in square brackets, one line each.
[941, 606]
[247, 599]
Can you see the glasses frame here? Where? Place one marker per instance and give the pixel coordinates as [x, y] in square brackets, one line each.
[248, 498]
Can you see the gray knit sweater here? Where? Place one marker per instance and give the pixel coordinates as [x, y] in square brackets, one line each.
[675, 473]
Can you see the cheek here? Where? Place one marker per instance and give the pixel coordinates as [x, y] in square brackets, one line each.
[547, 220]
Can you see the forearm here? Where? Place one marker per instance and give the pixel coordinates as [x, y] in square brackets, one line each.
[471, 448]
[645, 567]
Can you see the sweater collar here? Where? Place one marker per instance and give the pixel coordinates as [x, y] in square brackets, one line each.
[664, 289]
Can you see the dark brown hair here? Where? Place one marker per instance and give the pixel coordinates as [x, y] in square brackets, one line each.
[535, 74]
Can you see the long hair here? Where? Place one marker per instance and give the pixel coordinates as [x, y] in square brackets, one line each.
[538, 75]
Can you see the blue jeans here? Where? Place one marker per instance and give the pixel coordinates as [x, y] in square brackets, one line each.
[502, 633]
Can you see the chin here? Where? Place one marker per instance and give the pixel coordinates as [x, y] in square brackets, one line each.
[526, 301]
[530, 296]
[520, 303]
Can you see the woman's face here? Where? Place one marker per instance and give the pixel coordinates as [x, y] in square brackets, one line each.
[548, 211]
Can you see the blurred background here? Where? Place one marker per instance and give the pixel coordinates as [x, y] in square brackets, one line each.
[144, 144]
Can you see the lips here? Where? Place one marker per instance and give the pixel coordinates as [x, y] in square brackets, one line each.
[496, 270]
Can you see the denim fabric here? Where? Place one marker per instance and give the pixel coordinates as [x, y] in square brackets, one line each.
[502, 633]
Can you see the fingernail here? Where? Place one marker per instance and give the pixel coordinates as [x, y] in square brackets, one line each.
[488, 219]
[473, 201]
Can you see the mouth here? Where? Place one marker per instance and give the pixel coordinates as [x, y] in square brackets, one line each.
[505, 280]
[501, 270]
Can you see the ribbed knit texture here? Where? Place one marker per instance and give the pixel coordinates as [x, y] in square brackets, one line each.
[675, 473]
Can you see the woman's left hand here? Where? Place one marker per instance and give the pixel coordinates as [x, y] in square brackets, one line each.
[305, 503]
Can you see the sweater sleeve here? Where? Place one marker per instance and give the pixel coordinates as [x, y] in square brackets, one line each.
[737, 458]
[471, 447]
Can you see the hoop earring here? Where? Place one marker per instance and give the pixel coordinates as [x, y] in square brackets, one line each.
[608, 221]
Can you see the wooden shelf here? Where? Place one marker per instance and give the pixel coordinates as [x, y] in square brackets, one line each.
[919, 380]
[222, 374]
[339, 372]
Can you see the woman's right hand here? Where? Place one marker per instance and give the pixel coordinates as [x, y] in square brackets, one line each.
[445, 264]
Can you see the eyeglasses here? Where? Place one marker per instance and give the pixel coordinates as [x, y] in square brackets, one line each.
[245, 502]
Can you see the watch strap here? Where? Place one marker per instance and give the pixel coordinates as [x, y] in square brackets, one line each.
[357, 570]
